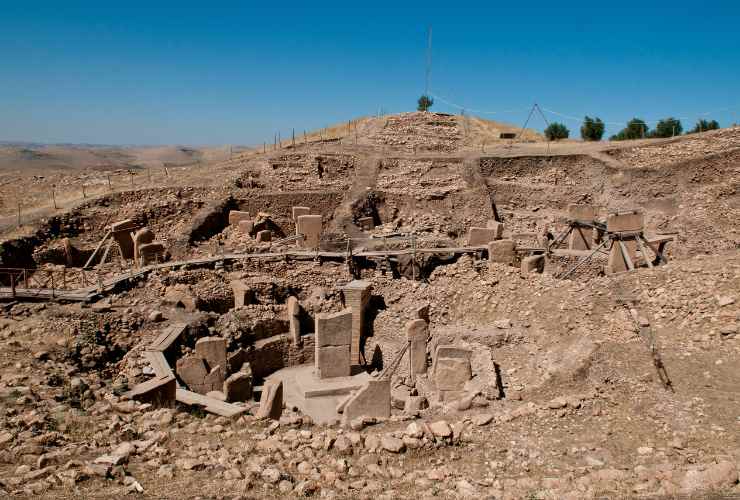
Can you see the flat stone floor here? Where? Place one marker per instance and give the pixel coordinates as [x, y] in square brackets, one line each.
[315, 397]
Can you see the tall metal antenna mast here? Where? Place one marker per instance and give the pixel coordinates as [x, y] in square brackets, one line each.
[429, 60]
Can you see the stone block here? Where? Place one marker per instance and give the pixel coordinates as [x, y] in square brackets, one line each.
[625, 223]
[246, 227]
[237, 361]
[481, 236]
[236, 216]
[533, 264]
[502, 251]
[141, 237]
[271, 400]
[582, 213]
[417, 332]
[310, 227]
[159, 391]
[243, 293]
[422, 312]
[213, 350]
[294, 312]
[298, 211]
[238, 387]
[192, 370]
[151, 253]
[372, 400]
[366, 223]
[415, 404]
[616, 262]
[333, 361]
[356, 297]
[580, 238]
[498, 227]
[122, 232]
[334, 329]
[214, 381]
[264, 236]
[451, 374]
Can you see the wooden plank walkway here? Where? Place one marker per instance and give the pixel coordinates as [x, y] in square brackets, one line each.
[167, 337]
[87, 294]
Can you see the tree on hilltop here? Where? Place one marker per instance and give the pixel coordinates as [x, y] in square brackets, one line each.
[636, 129]
[556, 131]
[703, 126]
[668, 127]
[424, 103]
[592, 129]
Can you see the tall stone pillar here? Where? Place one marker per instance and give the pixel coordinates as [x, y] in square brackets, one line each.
[357, 296]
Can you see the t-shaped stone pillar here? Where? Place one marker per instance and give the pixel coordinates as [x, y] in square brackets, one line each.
[357, 296]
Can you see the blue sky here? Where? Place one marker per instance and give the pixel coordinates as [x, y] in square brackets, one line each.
[237, 72]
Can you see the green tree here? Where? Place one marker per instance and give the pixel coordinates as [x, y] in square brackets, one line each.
[424, 103]
[667, 127]
[592, 129]
[556, 131]
[636, 129]
[703, 126]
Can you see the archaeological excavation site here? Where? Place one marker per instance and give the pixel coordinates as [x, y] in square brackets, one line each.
[416, 304]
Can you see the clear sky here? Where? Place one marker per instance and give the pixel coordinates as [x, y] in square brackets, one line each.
[211, 72]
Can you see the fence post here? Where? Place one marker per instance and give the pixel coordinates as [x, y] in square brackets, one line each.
[53, 197]
[149, 174]
[25, 278]
[294, 137]
[52, 284]
[132, 178]
[110, 186]
[84, 195]
[12, 284]
[19, 214]
[166, 172]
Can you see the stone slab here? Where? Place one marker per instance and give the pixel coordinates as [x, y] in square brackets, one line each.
[372, 400]
[310, 227]
[582, 213]
[497, 226]
[246, 226]
[625, 223]
[271, 400]
[333, 329]
[264, 236]
[159, 391]
[502, 251]
[213, 350]
[333, 361]
[238, 387]
[451, 374]
[580, 238]
[298, 211]
[236, 216]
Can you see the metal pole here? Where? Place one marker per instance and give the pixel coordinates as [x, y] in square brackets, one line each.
[12, 284]
[110, 186]
[19, 214]
[84, 195]
[53, 197]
